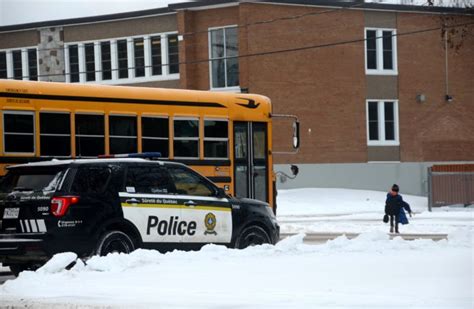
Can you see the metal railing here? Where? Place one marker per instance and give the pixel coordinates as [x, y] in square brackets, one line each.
[451, 184]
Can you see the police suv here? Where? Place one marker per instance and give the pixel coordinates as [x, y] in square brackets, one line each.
[98, 206]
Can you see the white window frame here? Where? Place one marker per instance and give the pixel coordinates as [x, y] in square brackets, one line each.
[381, 123]
[131, 79]
[55, 134]
[211, 88]
[25, 70]
[10, 112]
[156, 138]
[197, 139]
[215, 139]
[379, 52]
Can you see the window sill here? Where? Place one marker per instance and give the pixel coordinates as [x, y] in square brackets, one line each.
[227, 89]
[133, 80]
[383, 143]
[381, 72]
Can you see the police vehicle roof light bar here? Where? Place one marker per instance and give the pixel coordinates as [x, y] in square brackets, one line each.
[144, 155]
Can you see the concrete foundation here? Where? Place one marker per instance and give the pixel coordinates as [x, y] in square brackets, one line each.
[412, 177]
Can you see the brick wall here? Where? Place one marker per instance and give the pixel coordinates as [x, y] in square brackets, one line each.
[435, 130]
[327, 87]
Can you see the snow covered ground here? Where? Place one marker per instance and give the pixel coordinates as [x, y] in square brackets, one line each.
[356, 211]
[368, 271]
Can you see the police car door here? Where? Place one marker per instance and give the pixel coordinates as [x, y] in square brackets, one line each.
[209, 216]
[149, 202]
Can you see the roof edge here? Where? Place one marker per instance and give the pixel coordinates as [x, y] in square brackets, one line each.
[89, 19]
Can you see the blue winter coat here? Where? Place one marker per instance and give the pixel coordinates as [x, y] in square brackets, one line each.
[398, 201]
[402, 217]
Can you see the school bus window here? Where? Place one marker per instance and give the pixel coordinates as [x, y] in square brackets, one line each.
[156, 55]
[259, 144]
[55, 134]
[89, 135]
[186, 138]
[19, 132]
[123, 134]
[73, 63]
[155, 135]
[216, 139]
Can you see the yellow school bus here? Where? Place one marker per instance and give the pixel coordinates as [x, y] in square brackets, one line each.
[225, 136]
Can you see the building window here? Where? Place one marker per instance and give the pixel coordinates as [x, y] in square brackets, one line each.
[73, 63]
[186, 138]
[3, 65]
[106, 60]
[19, 132]
[382, 122]
[155, 135]
[156, 55]
[32, 64]
[17, 65]
[122, 55]
[173, 54]
[381, 51]
[124, 60]
[139, 55]
[123, 134]
[90, 62]
[55, 134]
[224, 61]
[216, 139]
[89, 135]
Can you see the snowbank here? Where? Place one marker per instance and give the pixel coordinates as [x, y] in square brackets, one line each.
[361, 272]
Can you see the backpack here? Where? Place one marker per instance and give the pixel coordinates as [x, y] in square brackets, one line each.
[392, 206]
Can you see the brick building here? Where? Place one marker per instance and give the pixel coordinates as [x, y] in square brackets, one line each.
[378, 95]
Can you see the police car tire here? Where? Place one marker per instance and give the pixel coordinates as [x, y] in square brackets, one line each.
[16, 269]
[251, 236]
[114, 241]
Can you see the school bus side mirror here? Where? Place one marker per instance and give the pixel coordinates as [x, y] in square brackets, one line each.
[296, 134]
[294, 170]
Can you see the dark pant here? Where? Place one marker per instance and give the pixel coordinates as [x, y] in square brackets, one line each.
[392, 218]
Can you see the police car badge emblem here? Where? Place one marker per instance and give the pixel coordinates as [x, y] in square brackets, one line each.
[210, 222]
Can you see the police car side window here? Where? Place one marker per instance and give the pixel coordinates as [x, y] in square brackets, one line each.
[91, 180]
[153, 180]
[188, 183]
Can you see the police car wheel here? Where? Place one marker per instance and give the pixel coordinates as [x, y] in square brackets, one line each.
[252, 236]
[16, 269]
[114, 241]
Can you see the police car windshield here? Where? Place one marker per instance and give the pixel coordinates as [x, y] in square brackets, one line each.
[31, 180]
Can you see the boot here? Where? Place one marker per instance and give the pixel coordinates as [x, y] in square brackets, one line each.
[396, 231]
[391, 229]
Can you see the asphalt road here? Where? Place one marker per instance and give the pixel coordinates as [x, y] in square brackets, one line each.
[310, 238]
